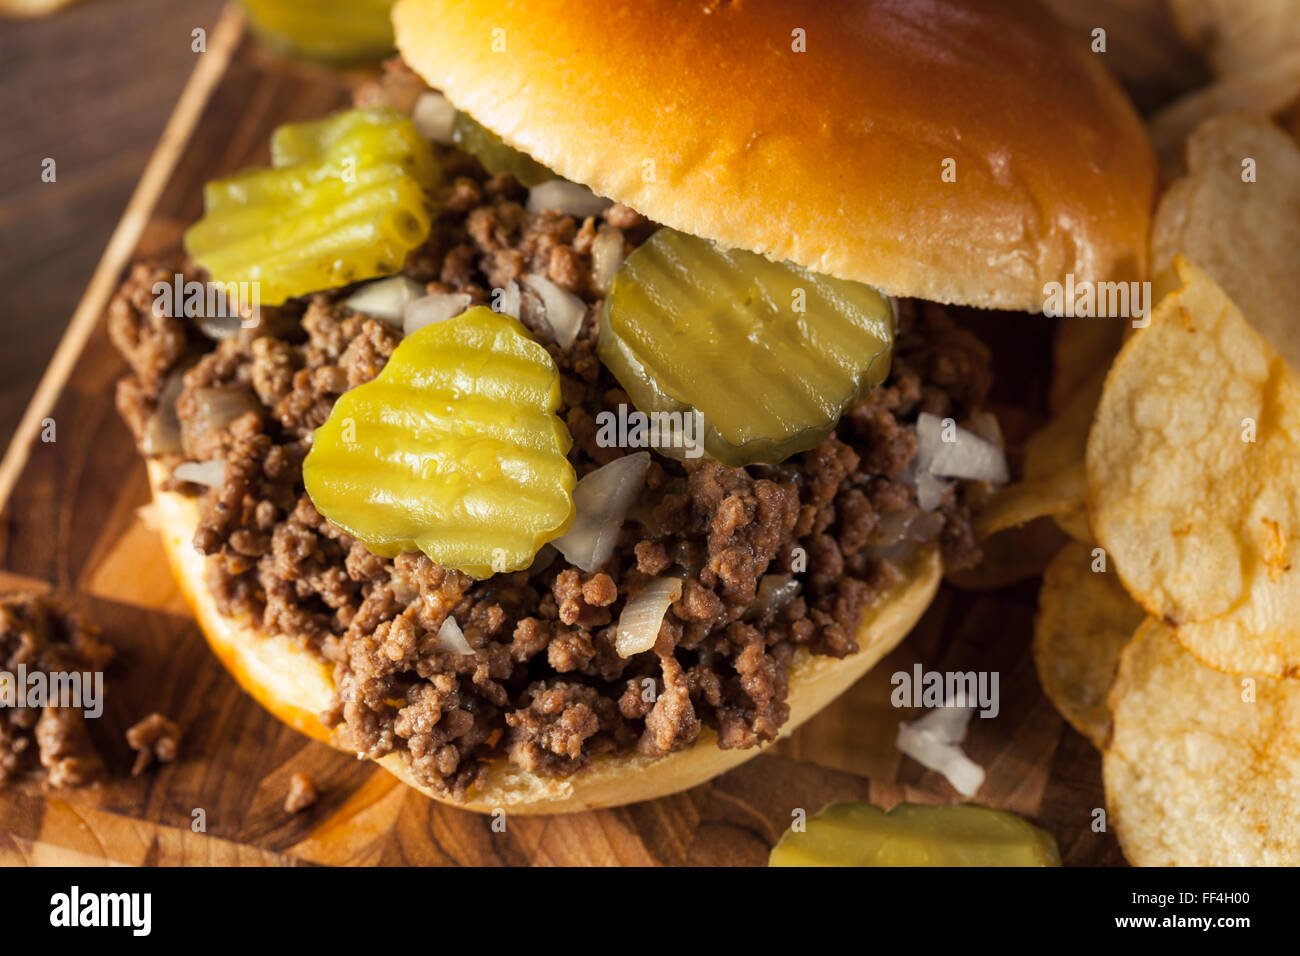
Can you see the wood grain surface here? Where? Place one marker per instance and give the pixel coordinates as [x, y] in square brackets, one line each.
[89, 87]
[75, 519]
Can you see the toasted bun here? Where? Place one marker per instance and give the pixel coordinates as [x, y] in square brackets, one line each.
[702, 116]
[295, 686]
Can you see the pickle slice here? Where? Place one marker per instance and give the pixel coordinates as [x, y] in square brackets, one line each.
[333, 32]
[455, 449]
[691, 326]
[346, 198]
[492, 151]
[912, 834]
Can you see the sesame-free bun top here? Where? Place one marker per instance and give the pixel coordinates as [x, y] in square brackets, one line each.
[819, 131]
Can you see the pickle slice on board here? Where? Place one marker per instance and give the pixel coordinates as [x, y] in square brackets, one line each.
[491, 150]
[346, 198]
[455, 449]
[688, 326]
[912, 834]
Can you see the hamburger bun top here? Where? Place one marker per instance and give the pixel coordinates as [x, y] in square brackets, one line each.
[819, 131]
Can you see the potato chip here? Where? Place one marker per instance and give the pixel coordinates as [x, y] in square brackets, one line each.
[1083, 347]
[1290, 120]
[1022, 502]
[1202, 768]
[1268, 88]
[1053, 483]
[1085, 617]
[1075, 523]
[1062, 442]
[1235, 36]
[1246, 235]
[1193, 472]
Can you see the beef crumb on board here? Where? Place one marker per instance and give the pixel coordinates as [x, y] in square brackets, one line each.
[302, 793]
[155, 739]
[41, 634]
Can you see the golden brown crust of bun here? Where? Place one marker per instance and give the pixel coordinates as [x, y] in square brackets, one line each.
[829, 158]
[295, 686]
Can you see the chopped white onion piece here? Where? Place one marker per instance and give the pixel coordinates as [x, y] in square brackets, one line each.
[987, 426]
[967, 456]
[433, 115]
[218, 328]
[162, 435]
[569, 198]
[606, 257]
[638, 625]
[452, 638]
[934, 742]
[512, 300]
[601, 500]
[930, 490]
[564, 311]
[386, 299]
[775, 591]
[211, 473]
[435, 307]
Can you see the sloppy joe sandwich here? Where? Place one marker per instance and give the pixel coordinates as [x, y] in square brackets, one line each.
[600, 414]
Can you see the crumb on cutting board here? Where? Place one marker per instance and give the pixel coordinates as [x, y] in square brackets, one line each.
[40, 634]
[156, 738]
[302, 793]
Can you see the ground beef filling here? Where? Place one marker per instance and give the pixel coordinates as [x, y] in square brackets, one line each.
[544, 687]
[38, 634]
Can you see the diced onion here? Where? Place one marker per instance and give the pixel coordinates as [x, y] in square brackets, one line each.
[218, 328]
[433, 115]
[211, 473]
[162, 435]
[569, 198]
[930, 490]
[601, 500]
[217, 406]
[638, 625]
[512, 300]
[435, 307]
[386, 299]
[775, 591]
[564, 311]
[986, 425]
[452, 638]
[606, 257]
[933, 741]
[968, 456]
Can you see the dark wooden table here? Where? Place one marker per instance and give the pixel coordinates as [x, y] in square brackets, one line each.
[89, 87]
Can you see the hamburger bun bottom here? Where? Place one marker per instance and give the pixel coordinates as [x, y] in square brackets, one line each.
[295, 686]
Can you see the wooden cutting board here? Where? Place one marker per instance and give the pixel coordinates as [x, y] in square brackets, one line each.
[72, 520]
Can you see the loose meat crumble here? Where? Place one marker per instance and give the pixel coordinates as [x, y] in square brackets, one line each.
[154, 739]
[302, 793]
[41, 634]
[544, 687]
